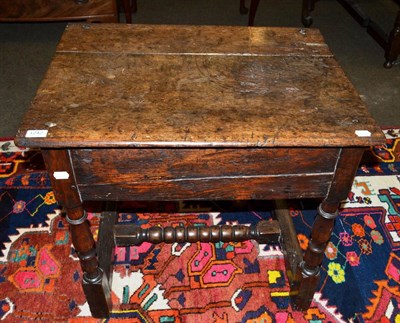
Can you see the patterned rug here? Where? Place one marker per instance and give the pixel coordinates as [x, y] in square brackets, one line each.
[40, 277]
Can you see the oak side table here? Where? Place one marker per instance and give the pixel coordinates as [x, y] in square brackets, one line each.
[58, 10]
[143, 112]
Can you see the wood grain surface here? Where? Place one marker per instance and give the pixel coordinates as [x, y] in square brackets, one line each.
[173, 174]
[174, 86]
[145, 164]
[53, 10]
[170, 39]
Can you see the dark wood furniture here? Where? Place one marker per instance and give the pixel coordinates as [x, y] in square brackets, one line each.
[135, 112]
[58, 10]
[130, 6]
[390, 42]
[251, 11]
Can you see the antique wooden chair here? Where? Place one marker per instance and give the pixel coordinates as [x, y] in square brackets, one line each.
[390, 42]
[130, 7]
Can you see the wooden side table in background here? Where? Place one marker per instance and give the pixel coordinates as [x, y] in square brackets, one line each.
[58, 10]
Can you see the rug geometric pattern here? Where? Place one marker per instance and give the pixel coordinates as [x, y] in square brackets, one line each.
[40, 277]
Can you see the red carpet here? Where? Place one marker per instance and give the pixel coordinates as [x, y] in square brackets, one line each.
[40, 277]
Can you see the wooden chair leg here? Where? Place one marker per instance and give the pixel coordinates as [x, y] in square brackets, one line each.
[126, 5]
[393, 46]
[134, 6]
[253, 9]
[307, 8]
[242, 8]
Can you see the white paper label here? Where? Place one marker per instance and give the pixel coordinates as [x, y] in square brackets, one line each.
[61, 175]
[36, 133]
[363, 133]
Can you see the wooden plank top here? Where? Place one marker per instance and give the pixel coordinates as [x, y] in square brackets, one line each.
[114, 85]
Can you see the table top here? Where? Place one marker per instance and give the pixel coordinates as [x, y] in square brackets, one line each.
[115, 85]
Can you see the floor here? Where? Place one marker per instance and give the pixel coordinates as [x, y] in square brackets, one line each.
[26, 49]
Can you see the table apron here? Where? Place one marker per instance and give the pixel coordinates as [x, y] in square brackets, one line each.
[209, 173]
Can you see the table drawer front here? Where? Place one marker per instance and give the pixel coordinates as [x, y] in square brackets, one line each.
[171, 174]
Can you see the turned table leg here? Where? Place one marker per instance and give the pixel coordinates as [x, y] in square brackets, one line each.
[308, 271]
[94, 282]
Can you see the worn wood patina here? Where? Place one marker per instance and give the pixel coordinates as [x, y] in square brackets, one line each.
[196, 86]
[51, 10]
